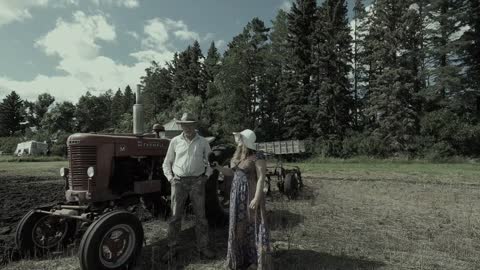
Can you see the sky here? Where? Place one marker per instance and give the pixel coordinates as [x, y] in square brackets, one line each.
[69, 47]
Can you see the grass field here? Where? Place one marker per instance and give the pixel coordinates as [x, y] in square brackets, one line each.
[351, 214]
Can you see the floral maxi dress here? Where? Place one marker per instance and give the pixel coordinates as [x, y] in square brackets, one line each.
[248, 234]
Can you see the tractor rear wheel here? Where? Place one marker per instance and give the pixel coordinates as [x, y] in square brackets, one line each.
[112, 242]
[37, 234]
[291, 186]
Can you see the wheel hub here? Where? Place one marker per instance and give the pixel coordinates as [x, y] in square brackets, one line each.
[49, 231]
[117, 245]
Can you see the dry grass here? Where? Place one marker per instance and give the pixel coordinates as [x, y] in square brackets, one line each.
[384, 215]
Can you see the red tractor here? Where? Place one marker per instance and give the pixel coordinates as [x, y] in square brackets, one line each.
[109, 177]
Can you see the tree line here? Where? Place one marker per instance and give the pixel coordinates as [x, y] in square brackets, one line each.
[398, 78]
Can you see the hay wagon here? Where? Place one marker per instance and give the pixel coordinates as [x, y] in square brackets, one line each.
[288, 178]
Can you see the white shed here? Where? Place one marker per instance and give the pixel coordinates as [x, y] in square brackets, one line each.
[31, 148]
[172, 129]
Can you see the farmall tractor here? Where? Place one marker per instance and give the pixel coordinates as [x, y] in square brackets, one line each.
[109, 177]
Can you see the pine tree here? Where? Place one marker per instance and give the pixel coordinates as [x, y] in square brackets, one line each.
[301, 25]
[332, 99]
[278, 59]
[360, 65]
[129, 100]
[213, 104]
[158, 95]
[11, 114]
[242, 78]
[471, 57]
[391, 103]
[118, 107]
[443, 53]
[212, 64]
[195, 84]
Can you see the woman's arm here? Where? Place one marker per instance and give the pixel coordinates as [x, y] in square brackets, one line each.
[224, 170]
[261, 168]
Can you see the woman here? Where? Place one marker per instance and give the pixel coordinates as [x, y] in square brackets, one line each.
[248, 234]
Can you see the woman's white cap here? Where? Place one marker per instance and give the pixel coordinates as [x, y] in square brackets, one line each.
[247, 137]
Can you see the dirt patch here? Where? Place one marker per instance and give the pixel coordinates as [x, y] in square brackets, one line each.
[17, 196]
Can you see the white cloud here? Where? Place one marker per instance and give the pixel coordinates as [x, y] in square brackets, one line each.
[18, 10]
[220, 43]
[133, 34]
[75, 41]
[77, 38]
[286, 5]
[119, 3]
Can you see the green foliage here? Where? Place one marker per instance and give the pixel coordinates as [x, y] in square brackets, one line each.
[93, 113]
[9, 144]
[331, 99]
[60, 118]
[242, 81]
[11, 114]
[59, 147]
[36, 110]
[301, 25]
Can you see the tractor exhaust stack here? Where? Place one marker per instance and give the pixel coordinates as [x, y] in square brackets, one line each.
[138, 120]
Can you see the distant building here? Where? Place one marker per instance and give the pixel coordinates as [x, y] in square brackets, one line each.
[172, 129]
[31, 148]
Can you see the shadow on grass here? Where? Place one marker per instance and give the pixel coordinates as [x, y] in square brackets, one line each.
[308, 259]
[187, 251]
[283, 219]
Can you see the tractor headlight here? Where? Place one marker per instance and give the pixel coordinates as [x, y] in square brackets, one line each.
[64, 172]
[91, 172]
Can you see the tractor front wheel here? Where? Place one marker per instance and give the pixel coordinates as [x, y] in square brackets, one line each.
[112, 242]
[37, 234]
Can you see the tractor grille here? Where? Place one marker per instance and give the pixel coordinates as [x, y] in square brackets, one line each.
[80, 157]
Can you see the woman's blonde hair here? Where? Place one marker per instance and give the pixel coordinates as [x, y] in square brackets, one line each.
[241, 153]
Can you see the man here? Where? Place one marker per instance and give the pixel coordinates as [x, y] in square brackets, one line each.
[187, 169]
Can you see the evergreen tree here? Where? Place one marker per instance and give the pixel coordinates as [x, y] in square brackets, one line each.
[11, 114]
[158, 95]
[471, 57]
[332, 99]
[391, 103]
[242, 79]
[129, 100]
[213, 104]
[445, 83]
[195, 85]
[118, 107]
[277, 71]
[301, 25]
[211, 64]
[360, 65]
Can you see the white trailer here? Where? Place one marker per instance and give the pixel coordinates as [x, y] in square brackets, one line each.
[31, 148]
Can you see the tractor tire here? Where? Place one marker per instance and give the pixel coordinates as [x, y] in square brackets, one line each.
[215, 211]
[112, 242]
[35, 228]
[291, 186]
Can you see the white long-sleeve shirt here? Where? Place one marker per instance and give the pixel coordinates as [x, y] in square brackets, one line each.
[187, 158]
